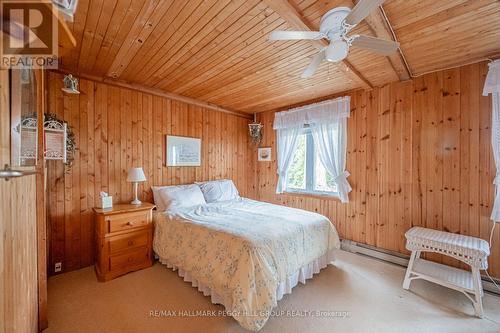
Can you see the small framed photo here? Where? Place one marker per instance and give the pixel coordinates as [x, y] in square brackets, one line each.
[264, 154]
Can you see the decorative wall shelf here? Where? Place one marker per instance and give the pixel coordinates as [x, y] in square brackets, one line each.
[28, 131]
[55, 140]
[55, 136]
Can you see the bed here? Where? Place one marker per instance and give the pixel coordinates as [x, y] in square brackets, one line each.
[244, 254]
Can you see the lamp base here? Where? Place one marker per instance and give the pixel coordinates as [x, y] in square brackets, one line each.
[136, 202]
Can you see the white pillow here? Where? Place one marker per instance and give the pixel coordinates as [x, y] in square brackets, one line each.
[160, 206]
[181, 196]
[219, 190]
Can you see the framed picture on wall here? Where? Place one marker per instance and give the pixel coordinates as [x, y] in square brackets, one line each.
[264, 154]
[183, 151]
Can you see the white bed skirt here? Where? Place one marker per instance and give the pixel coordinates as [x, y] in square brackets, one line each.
[305, 272]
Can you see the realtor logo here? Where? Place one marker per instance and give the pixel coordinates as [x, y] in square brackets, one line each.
[30, 34]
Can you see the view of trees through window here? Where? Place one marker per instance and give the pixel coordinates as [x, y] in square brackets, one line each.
[297, 171]
[306, 172]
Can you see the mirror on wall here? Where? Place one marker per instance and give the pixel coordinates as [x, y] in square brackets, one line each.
[23, 102]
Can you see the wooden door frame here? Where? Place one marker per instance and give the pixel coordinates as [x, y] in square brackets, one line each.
[12, 312]
[41, 222]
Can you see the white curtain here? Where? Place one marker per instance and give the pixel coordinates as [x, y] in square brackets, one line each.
[328, 123]
[287, 143]
[318, 113]
[492, 86]
[330, 140]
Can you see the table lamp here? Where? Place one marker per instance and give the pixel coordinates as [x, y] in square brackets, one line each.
[136, 175]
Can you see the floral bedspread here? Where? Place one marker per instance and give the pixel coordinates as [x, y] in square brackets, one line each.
[242, 249]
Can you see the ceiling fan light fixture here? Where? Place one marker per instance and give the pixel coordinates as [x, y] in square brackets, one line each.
[336, 51]
[335, 26]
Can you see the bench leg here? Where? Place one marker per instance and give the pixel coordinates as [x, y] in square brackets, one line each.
[407, 281]
[478, 304]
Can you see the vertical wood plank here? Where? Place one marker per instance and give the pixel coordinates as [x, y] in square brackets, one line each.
[473, 108]
[432, 118]
[465, 136]
[451, 153]
[418, 189]
[372, 207]
[348, 229]
[384, 135]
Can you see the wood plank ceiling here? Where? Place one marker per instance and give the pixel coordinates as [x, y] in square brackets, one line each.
[218, 50]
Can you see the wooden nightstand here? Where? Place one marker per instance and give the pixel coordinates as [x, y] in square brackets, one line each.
[124, 239]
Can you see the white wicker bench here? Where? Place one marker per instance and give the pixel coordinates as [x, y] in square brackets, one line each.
[470, 250]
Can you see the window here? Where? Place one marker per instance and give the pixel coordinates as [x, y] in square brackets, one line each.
[306, 173]
[299, 169]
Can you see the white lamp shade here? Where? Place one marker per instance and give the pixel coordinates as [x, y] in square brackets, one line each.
[136, 175]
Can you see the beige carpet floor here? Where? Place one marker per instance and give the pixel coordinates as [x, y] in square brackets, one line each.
[369, 290]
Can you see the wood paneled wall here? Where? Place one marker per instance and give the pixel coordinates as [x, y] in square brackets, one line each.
[419, 154]
[116, 129]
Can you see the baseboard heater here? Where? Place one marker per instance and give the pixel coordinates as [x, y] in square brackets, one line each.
[399, 259]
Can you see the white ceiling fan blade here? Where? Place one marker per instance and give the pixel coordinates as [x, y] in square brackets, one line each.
[362, 9]
[378, 45]
[316, 61]
[295, 35]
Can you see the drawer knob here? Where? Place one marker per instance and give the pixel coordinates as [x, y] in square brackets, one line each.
[130, 223]
[130, 242]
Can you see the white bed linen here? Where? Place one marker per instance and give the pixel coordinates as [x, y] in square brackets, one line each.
[242, 252]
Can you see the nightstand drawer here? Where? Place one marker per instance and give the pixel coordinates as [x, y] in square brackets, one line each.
[131, 258]
[128, 241]
[128, 221]
[124, 239]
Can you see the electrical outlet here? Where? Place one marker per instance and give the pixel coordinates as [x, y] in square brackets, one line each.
[57, 267]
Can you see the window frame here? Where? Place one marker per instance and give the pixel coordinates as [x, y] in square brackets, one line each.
[310, 170]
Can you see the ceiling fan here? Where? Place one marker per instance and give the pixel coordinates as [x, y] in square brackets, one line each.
[334, 26]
